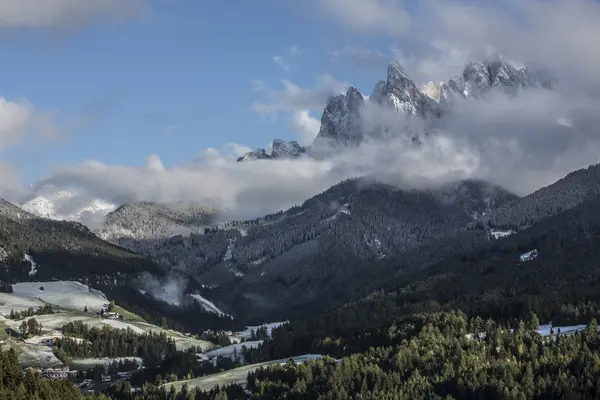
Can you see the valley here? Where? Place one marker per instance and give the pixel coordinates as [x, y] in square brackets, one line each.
[378, 287]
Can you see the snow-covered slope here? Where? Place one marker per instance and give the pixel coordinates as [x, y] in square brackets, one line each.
[207, 305]
[67, 205]
[281, 149]
[65, 294]
[147, 220]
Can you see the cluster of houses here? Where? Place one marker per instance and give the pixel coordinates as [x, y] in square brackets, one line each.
[105, 313]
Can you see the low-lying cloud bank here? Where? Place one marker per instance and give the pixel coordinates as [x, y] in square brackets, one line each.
[520, 143]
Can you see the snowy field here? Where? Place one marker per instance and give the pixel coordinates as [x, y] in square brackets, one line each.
[89, 363]
[234, 376]
[228, 351]
[9, 301]
[31, 355]
[247, 333]
[64, 294]
[544, 330]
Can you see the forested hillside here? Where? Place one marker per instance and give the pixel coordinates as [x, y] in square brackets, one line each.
[60, 250]
[566, 193]
[286, 259]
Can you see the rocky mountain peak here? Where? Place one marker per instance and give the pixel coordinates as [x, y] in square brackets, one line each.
[478, 78]
[284, 149]
[280, 149]
[402, 94]
[341, 120]
[396, 76]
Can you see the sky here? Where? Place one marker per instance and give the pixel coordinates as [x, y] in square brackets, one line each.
[154, 99]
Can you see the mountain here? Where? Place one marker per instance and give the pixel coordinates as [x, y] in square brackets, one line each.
[281, 258]
[568, 192]
[51, 203]
[281, 149]
[38, 248]
[148, 220]
[479, 78]
[343, 121]
[401, 93]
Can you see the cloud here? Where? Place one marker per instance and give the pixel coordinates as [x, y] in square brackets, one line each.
[64, 13]
[306, 126]
[15, 121]
[428, 61]
[380, 16]
[361, 56]
[515, 142]
[521, 143]
[298, 103]
[281, 62]
[19, 119]
[11, 188]
[294, 98]
[560, 34]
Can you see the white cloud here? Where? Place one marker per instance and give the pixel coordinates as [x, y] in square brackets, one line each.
[435, 61]
[294, 98]
[381, 16]
[15, 121]
[11, 188]
[298, 104]
[64, 13]
[515, 142]
[561, 34]
[281, 62]
[305, 126]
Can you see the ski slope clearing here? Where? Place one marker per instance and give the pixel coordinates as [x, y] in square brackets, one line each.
[234, 376]
[64, 294]
[208, 305]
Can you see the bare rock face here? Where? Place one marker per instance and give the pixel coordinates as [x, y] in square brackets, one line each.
[281, 149]
[341, 122]
[344, 122]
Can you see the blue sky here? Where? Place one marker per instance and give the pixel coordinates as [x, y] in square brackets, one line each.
[126, 82]
[174, 81]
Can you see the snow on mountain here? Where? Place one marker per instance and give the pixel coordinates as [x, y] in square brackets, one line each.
[401, 93]
[207, 305]
[281, 149]
[341, 121]
[65, 294]
[67, 205]
[435, 90]
[29, 259]
[148, 220]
